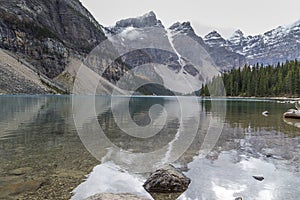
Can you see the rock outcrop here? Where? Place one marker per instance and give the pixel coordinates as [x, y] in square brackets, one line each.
[47, 33]
[167, 180]
[259, 178]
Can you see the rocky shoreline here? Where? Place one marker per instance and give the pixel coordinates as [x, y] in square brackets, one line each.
[45, 175]
[267, 98]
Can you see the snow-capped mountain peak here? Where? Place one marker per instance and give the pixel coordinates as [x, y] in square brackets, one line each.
[146, 20]
[212, 35]
[236, 40]
[238, 34]
[149, 14]
[277, 45]
[184, 27]
[213, 39]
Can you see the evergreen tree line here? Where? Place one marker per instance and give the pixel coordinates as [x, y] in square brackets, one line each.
[259, 81]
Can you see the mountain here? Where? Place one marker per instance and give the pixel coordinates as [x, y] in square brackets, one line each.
[175, 57]
[277, 45]
[43, 37]
[44, 42]
[214, 39]
[223, 55]
[237, 41]
[147, 20]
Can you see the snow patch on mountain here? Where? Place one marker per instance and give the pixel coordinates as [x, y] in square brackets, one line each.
[131, 33]
[186, 56]
[277, 45]
[215, 39]
[237, 37]
[170, 38]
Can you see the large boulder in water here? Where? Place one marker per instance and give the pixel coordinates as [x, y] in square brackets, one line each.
[167, 180]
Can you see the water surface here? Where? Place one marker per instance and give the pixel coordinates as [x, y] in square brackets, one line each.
[38, 132]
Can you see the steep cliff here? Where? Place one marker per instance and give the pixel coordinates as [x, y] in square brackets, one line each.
[47, 33]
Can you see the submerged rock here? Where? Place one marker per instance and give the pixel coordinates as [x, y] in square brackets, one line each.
[167, 180]
[265, 113]
[259, 178]
[20, 171]
[21, 187]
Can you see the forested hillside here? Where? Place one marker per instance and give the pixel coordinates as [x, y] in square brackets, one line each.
[261, 81]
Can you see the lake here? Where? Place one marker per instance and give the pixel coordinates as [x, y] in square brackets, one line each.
[62, 147]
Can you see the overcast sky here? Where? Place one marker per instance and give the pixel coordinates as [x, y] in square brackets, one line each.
[225, 16]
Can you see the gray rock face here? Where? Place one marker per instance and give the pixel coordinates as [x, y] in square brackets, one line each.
[187, 29]
[222, 54]
[277, 45]
[167, 180]
[214, 39]
[47, 32]
[224, 58]
[179, 48]
[237, 41]
[147, 20]
[166, 48]
[184, 27]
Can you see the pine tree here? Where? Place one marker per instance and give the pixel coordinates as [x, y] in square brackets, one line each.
[279, 80]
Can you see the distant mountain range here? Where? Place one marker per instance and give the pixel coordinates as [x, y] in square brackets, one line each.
[42, 44]
[224, 57]
[166, 47]
[277, 45]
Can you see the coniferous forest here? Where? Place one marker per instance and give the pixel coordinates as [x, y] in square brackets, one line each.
[260, 81]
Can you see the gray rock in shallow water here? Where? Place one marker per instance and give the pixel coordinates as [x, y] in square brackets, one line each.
[259, 178]
[20, 171]
[167, 180]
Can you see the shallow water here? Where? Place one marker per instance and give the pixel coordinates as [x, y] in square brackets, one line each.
[219, 144]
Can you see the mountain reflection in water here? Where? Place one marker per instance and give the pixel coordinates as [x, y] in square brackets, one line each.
[39, 132]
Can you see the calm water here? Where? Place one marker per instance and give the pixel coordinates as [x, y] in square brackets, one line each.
[219, 144]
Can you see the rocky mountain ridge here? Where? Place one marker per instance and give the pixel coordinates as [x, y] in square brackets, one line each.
[52, 37]
[277, 45]
[181, 45]
[174, 50]
[47, 34]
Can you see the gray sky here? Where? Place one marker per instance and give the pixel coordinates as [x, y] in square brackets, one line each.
[225, 16]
